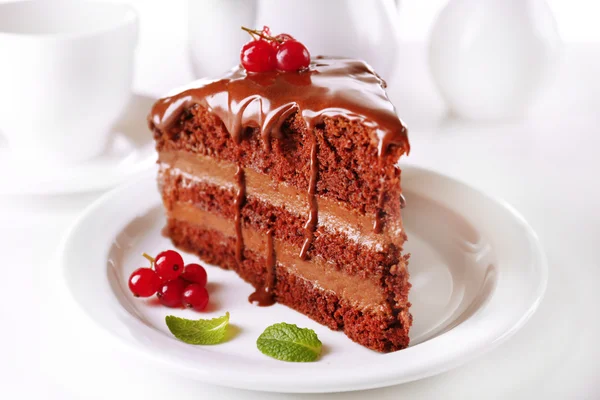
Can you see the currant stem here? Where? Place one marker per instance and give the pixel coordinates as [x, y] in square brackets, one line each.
[249, 32]
[261, 34]
[149, 258]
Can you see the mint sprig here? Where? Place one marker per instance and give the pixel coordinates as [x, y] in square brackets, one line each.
[201, 331]
[287, 342]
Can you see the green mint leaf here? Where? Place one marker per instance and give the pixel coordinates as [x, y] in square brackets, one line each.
[201, 331]
[287, 342]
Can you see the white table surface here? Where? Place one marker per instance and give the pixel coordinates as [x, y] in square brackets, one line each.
[547, 167]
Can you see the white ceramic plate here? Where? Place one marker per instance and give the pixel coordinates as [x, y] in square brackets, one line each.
[129, 152]
[477, 272]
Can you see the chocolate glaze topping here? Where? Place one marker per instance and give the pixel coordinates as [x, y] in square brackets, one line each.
[331, 87]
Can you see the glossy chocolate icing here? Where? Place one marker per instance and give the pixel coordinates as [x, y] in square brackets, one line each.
[330, 87]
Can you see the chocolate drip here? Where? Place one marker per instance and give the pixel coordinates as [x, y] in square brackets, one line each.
[238, 203]
[265, 296]
[378, 224]
[313, 217]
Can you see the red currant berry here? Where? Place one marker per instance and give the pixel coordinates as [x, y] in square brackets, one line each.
[280, 39]
[284, 37]
[258, 56]
[170, 293]
[195, 273]
[143, 282]
[266, 31]
[195, 296]
[292, 56]
[168, 265]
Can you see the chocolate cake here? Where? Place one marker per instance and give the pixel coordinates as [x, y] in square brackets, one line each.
[291, 180]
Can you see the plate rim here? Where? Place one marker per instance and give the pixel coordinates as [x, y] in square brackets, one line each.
[384, 378]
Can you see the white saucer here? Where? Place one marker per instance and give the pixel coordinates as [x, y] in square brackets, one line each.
[129, 152]
[477, 270]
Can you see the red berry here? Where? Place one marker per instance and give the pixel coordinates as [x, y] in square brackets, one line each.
[195, 273]
[195, 296]
[143, 282]
[284, 37]
[280, 39]
[258, 56]
[170, 293]
[292, 56]
[168, 265]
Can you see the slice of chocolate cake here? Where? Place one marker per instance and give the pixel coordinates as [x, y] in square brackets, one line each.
[290, 179]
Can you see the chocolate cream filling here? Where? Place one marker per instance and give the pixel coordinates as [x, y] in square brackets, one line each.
[364, 293]
[332, 214]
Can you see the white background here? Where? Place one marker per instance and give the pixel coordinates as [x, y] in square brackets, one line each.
[546, 166]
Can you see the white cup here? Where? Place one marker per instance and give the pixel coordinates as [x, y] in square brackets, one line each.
[66, 70]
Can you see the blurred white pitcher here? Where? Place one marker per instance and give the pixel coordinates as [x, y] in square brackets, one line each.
[348, 28]
[490, 59]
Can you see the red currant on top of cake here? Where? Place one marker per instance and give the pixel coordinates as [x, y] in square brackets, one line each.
[284, 170]
[267, 53]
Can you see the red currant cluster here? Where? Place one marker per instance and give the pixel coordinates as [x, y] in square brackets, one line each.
[173, 284]
[267, 53]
